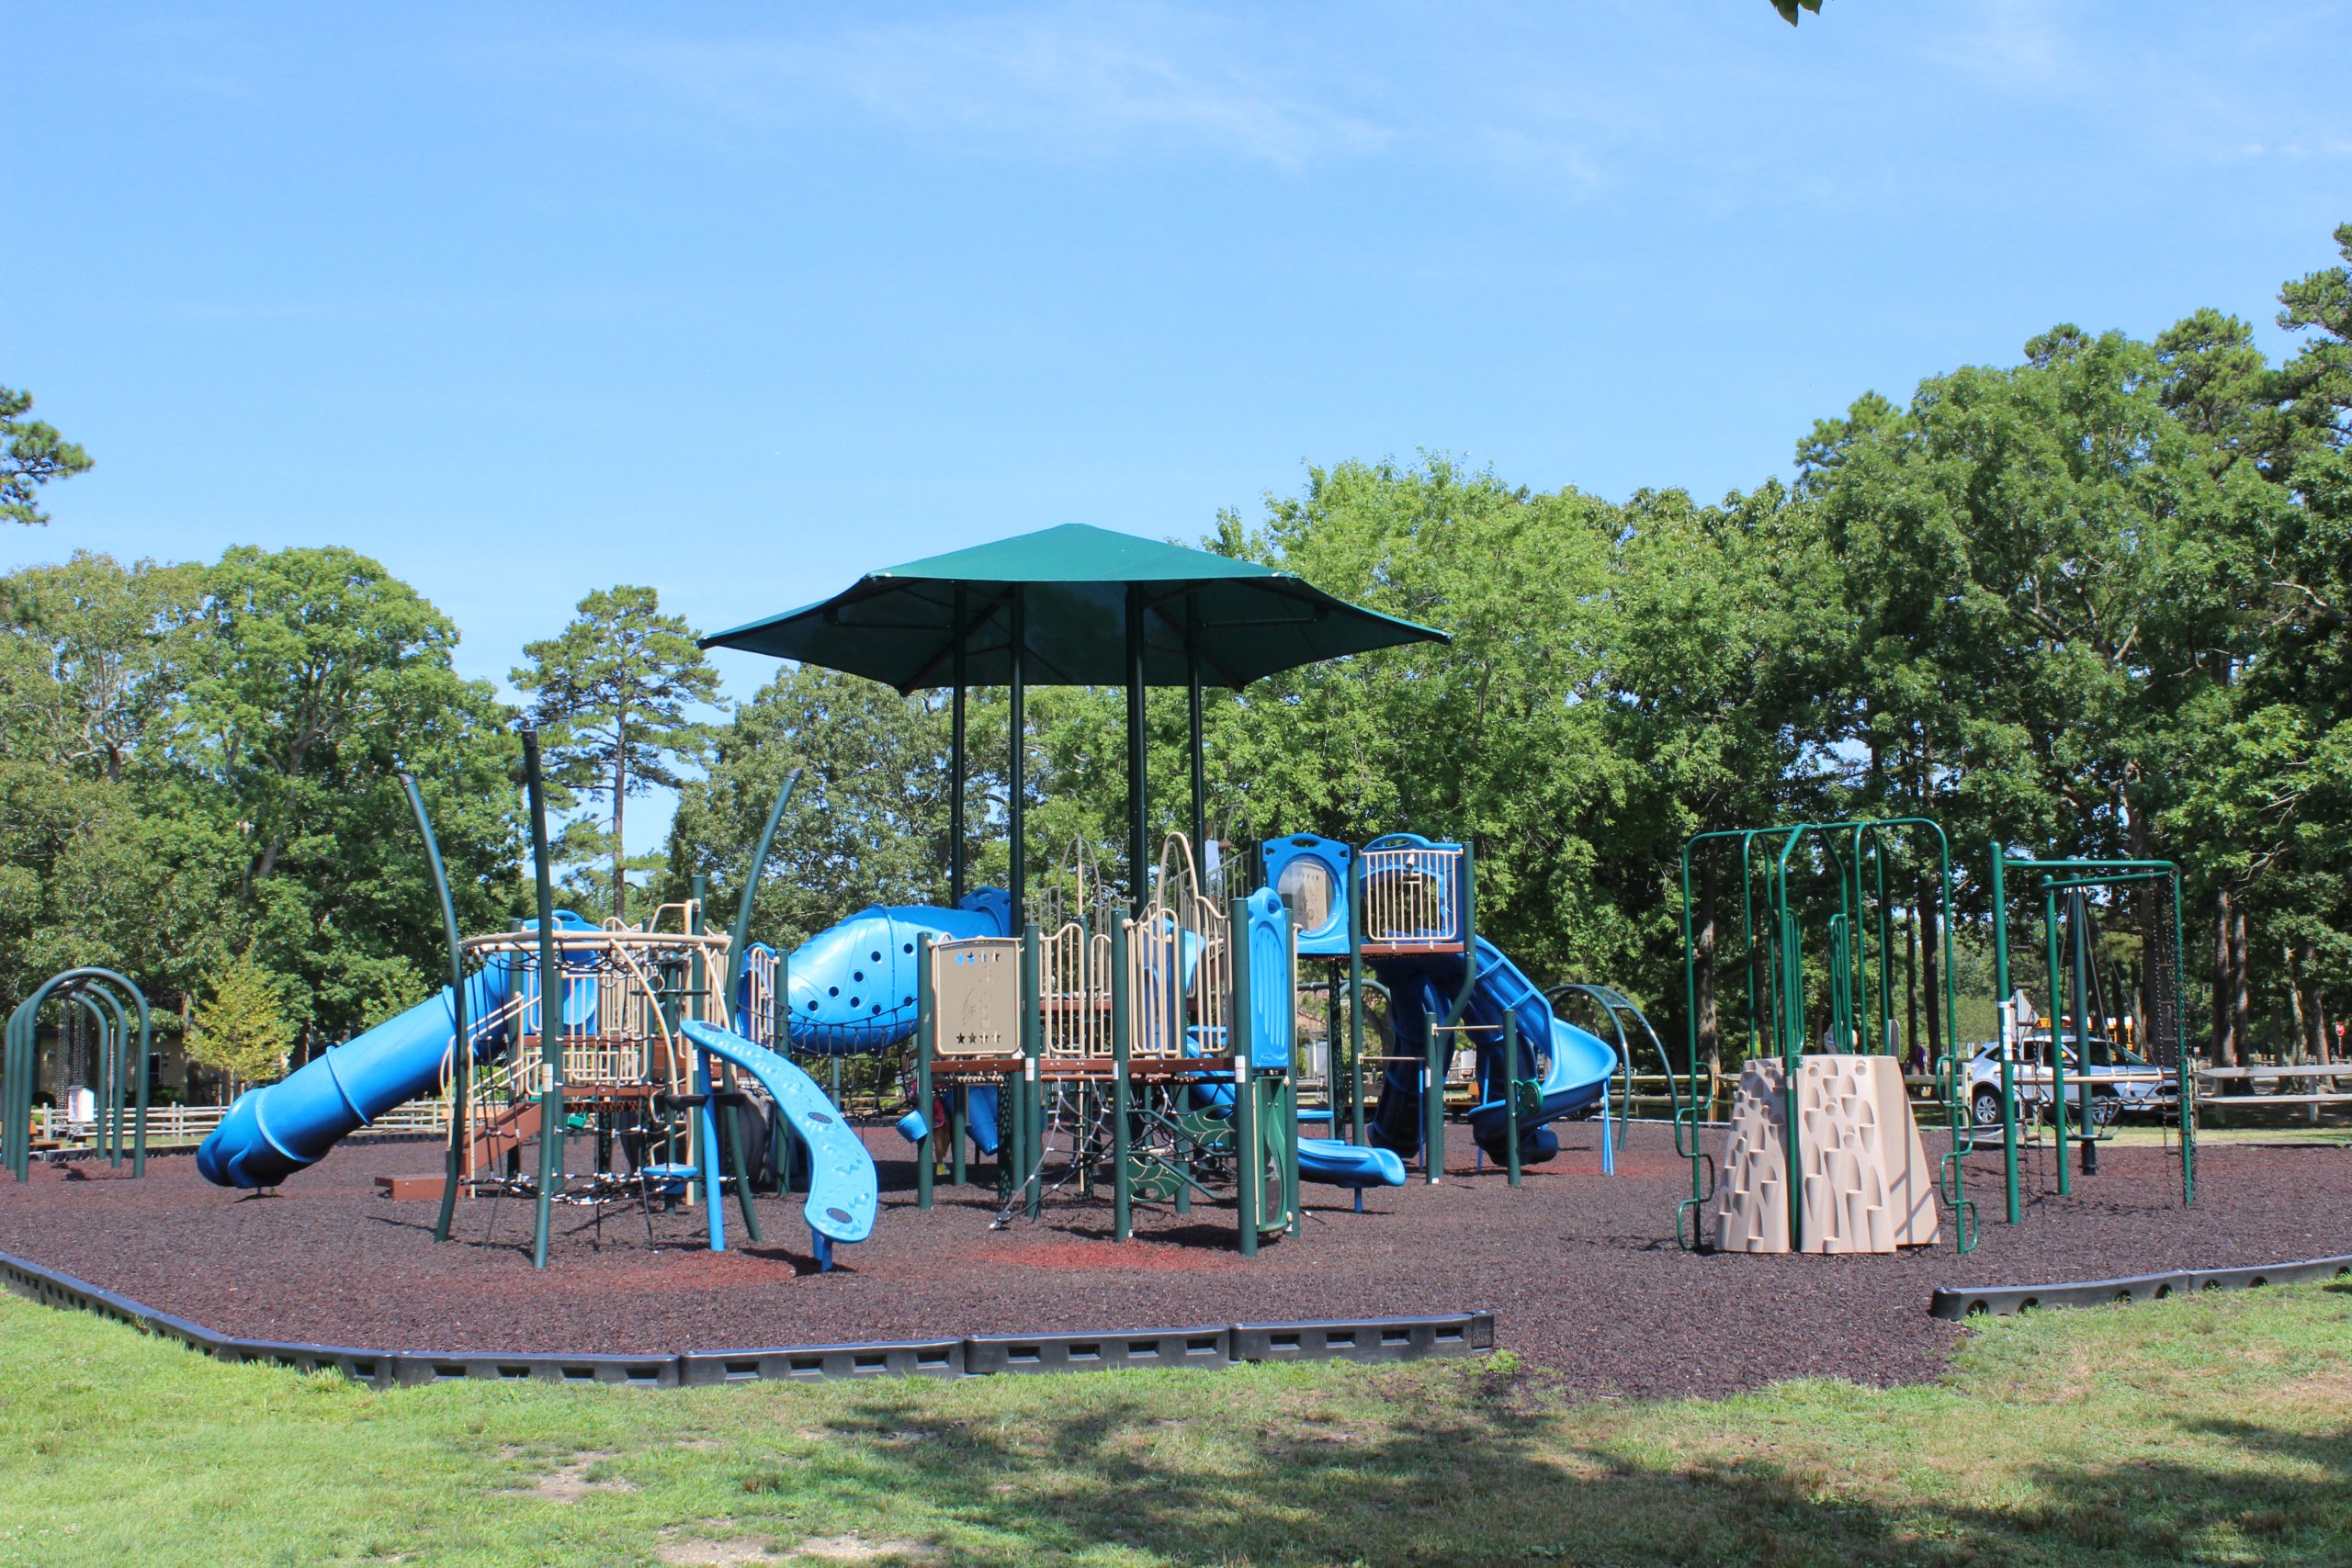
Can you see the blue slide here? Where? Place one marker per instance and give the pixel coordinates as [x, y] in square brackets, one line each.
[1421, 991]
[842, 1189]
[280, 1128]
[1334, 1162]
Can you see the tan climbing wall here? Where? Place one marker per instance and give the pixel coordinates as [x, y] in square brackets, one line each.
[1867, 1183]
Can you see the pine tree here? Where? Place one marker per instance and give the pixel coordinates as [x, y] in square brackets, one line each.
[242, 1030]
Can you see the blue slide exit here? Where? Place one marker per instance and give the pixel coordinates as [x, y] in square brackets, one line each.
[842, 1189]
[1421, 989]
[281, 1128]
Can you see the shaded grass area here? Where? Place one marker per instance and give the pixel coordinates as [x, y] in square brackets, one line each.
[2213, 1430]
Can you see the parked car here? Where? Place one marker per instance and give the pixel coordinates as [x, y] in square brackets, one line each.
[2123, 1083]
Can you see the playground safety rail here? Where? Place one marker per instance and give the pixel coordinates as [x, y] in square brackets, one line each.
[1375, 1339]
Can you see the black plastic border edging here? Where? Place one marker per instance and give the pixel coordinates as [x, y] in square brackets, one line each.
[2001, 1300]
[1224, 1345]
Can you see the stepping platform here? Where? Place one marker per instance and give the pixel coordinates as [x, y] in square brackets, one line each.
[1866, 1183]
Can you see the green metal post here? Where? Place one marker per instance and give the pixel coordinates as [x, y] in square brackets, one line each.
[1193, 730]
[551, 1006]
[1016, 806]
[2185, 1081]
[1033, 1154]
[103, 1071]
[2056, 1050]
[141, 1075]
[1139, 784]
[461, 1055]
[1122, 1090]
[1792, 1065]
[1511, 1088]
[1439, 1043]
[1248, 1154]
[119, 1080]
[2012, 1198]
[926, 1046]
[956, 784]
[1355, 997]
[2077, 928]
[728, 1126]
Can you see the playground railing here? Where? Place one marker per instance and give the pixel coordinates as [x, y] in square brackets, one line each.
[1412, 895]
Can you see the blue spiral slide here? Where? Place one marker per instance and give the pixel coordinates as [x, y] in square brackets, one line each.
[1423, 989]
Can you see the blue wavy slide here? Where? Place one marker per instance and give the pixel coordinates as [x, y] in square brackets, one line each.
[842, 1192]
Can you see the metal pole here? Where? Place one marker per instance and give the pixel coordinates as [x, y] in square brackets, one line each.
[2055, 1046]
[550, 1005]
[926, 1046]
[1122, 1090]
[1192, 719]
[460, 1046]
[955, 764]
[1510, 1093]
[2009, 1033]
[1248, 1157]
[729, 1126]
[1138, 785]
[1355, 997]
[2077, 930]
[1033, 1151]
[102, 1071]
[1017, 807]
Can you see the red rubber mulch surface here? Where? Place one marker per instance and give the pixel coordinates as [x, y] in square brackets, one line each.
[1581, 1270]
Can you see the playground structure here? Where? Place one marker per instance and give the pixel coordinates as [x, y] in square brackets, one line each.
[1823, 1153]
[1156, 1055]
[2068, 888]
[646, 1029]
[1405, 907]
[1155, 1051]
[118, 1111]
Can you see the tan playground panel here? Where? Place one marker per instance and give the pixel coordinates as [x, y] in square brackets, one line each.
[1867, 1183]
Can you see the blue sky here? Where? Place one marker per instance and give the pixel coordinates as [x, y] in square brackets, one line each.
[743, 300]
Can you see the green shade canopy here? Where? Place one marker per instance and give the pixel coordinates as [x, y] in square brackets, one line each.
[903, 624]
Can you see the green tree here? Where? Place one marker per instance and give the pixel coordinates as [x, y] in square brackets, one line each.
[1499, 738]
[615, 693]
[32, 454]
[311, 677]
[240, 1028]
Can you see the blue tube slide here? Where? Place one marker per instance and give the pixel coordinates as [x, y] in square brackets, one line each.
[842, 1194]
[274, 1130]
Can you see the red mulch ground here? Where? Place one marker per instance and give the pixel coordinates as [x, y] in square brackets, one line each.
[1581, 1270]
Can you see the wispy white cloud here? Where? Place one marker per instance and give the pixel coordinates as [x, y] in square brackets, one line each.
[1079, 82]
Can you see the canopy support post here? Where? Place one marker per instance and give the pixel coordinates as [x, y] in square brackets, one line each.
[1139, 872]
[1192, 716]
[955, 773]
[1016, 808]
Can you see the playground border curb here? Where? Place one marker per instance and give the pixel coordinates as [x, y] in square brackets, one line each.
[2002, 1300]
[1220, 1344]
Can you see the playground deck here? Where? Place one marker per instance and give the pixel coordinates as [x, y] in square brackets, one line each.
[1580, 1270]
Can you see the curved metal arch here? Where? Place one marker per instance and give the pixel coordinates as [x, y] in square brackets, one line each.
[18, 1060]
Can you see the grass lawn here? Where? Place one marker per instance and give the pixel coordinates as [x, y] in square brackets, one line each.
[2213, 1430]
